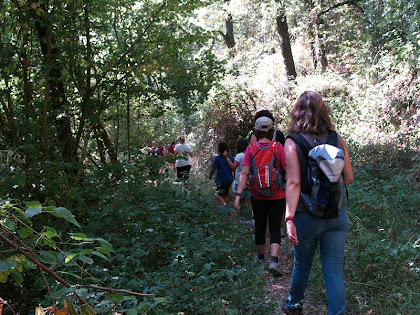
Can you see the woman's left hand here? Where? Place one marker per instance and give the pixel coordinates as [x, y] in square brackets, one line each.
[237, 202]
[291, 233]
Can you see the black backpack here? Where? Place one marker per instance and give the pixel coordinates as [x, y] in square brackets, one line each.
[322, 183]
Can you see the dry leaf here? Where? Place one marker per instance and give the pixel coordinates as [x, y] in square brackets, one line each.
[39, 310]
[63, 311]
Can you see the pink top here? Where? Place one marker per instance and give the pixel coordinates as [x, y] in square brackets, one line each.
[282, 165]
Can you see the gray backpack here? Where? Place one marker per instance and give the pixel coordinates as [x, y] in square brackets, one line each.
[322, 183]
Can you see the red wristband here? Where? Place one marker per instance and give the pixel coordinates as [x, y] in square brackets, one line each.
[290, 219]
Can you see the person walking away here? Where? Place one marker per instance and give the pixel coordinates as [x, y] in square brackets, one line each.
[155, 163]
[183, 164]
[171, 153]
[236, 167]
[310, 119]
[264, 207]
[224, 175]
[277, 136]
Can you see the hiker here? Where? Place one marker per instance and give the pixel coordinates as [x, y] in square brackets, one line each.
[155, 164]
[236, 167]
[264, 207]
[224, 176]
[183, 164]
[277, 136]
[171, 153]
[154, 150]
[310, 118]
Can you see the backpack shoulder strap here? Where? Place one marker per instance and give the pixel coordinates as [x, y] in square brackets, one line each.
[332, 138]
[301, 142]
[255, 148]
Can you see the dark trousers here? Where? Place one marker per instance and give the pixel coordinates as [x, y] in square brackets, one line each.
[271, 210]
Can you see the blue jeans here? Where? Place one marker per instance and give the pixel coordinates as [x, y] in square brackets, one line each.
[331, 235]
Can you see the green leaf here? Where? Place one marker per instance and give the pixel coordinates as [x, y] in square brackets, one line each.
[17, 276]
[67, 215]
[47, 257]
[50, 232]
[21, 213]
[62, 292]
[25, 232]
[86, 260]
[117, 297]
[99, 255]
[6, 265]
[85, 309]
[34, 208]
[9, 224]
[105, 244]
[70, 257]
[78, 236]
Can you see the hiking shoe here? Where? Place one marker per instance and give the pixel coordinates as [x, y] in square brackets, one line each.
[274, 268]
[296, 311]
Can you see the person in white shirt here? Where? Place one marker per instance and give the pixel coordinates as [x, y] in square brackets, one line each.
[183, 164]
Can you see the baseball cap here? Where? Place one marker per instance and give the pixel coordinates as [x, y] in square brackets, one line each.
[263, 124]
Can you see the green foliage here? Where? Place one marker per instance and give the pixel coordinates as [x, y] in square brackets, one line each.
[162, 241]
[393, 28]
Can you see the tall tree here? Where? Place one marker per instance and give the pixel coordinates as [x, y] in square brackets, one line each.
[284, 37]
[228, 37]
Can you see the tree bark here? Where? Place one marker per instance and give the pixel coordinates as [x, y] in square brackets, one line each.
[56, 88]
[229, 37]
[128, 128]
[284, 37]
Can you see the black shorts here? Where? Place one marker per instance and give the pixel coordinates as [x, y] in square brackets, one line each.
[183, 172]
[222, 189]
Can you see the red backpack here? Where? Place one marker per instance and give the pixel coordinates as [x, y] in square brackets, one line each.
[265, 178]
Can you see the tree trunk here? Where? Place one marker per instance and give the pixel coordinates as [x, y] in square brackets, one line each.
[128, 128]
[284, 37]
[228, 37]
[56, 88]
[318, 49]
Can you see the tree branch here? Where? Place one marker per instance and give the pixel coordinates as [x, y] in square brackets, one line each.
[4, 239]
[90, 286]
[347, 2]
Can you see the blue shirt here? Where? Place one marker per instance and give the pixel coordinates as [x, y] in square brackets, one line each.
[224, 173]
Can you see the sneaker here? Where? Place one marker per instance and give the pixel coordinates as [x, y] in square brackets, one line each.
[274, 268]
[296, 311]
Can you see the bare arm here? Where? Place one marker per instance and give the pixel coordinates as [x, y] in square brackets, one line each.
[233, 165]
[348, 169]
[243, 179]
[212, 172]
[293, 186]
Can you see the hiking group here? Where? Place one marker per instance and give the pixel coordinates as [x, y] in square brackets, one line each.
[301, 180]
[179, 155]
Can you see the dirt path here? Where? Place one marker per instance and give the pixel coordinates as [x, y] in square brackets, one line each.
[279, 287]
